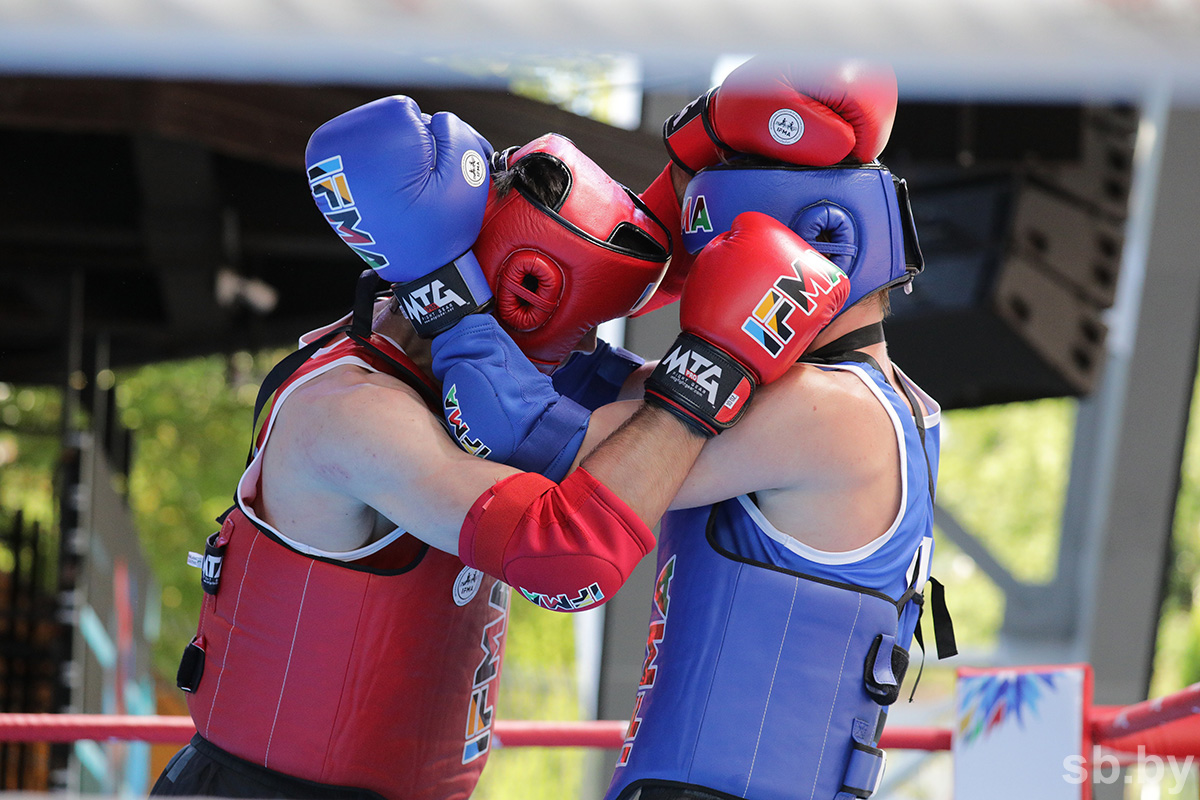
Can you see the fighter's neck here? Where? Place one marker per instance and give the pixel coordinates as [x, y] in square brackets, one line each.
[852, 319]
[391, 323]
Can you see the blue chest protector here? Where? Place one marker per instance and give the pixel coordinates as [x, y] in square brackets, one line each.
[594, 379]
[770, 665]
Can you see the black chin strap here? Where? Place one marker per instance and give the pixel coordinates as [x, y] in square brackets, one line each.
[365, 291]
[839, 347]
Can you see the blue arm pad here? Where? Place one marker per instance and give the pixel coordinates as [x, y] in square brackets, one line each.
[594, 379]
[499, 406]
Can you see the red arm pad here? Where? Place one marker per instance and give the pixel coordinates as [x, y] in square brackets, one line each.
[660, 197]
[566, 546]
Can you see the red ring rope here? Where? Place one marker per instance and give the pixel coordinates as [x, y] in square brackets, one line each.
[511, 733]
[1111, 722]
[1165, 726]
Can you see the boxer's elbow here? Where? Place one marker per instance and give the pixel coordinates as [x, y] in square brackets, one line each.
[565, 547]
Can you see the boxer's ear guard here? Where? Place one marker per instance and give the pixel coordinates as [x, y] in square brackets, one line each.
[857, 216]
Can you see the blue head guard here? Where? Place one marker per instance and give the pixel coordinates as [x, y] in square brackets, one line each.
[857, 216]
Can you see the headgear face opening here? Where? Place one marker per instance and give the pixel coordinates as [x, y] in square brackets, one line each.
[558, 267]
[857, 216]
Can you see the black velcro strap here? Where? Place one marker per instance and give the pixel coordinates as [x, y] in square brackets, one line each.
[435, 302]
[701, 384]
[276, 377]
[360, 324]
[919, 600]
[365, 290]
[884, 669]
[914, 259]
[943, 626]
[191, 667]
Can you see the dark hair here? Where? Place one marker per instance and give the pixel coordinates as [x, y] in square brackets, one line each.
[884, 298]
[545, 179]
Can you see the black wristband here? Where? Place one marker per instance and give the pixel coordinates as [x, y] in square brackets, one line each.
[701, 384]
[694, 114]
[435, 302]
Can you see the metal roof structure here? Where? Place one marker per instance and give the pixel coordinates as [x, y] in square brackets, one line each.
[1017, 47]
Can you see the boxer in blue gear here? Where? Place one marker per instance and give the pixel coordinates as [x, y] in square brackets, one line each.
[797, 550]
[793, 562]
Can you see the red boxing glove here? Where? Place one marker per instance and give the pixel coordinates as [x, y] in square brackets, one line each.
[742, 331]
[810, 117]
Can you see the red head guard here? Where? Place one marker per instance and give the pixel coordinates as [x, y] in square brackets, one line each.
[559, 269]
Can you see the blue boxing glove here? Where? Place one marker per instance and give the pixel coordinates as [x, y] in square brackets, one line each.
[499, 406]
[595, 379]
[407, 191]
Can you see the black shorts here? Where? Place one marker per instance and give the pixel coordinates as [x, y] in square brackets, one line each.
[201, 769]
[670, 790]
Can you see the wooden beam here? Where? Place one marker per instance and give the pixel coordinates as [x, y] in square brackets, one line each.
[271, 123]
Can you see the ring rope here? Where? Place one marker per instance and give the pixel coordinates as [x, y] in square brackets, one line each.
[177, 729]
[1164, 726]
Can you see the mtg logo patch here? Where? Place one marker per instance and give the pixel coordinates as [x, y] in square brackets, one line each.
[428, 301]
[436, 300]
[692, 369]
[331, 190]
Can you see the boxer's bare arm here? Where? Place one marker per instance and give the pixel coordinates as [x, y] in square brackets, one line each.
[351, 443]
[783, 440]
[815, 447]
[360, 452]
[646, 459]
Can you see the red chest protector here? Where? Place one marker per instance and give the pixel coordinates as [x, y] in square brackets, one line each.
[379, 673]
